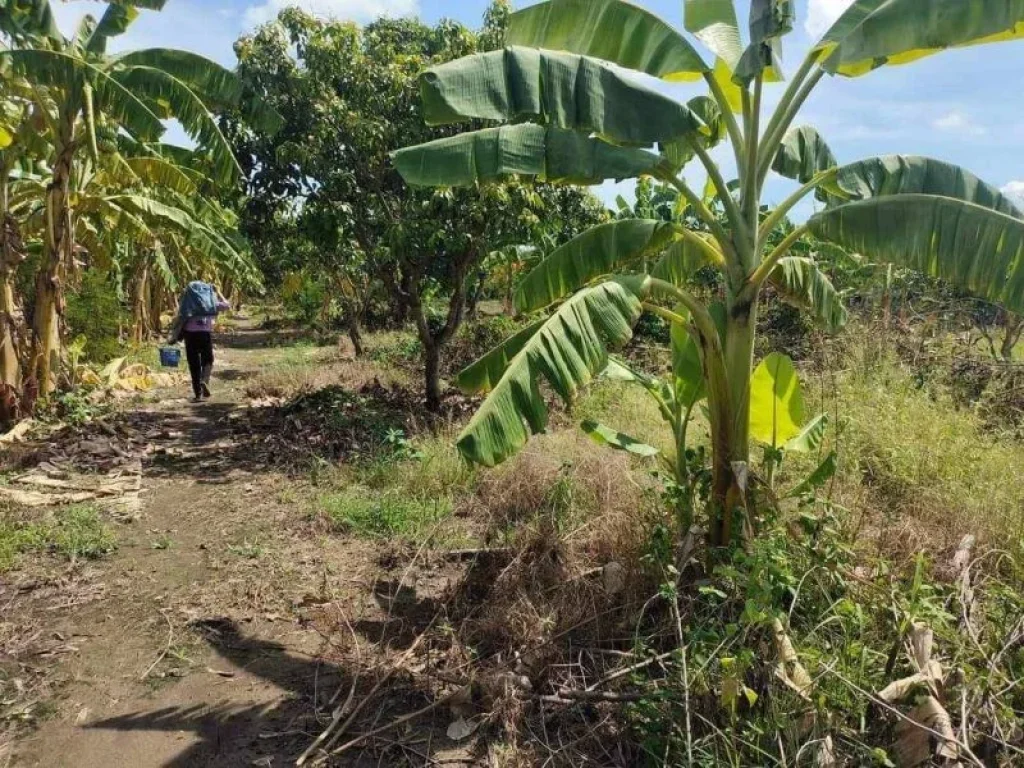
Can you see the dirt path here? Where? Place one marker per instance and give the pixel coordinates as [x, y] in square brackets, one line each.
[198, 651]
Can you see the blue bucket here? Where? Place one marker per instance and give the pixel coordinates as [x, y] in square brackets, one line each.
[170, 357]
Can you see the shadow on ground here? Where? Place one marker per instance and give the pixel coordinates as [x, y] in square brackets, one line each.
[276, 734]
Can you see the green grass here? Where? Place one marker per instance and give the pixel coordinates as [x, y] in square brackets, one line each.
[75, 533]
[373, 514]
[908, 455]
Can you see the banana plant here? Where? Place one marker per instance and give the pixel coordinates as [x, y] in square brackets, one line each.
[569, 111]
[134, 92]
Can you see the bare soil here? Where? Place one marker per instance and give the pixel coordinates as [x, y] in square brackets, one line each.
[226, 621]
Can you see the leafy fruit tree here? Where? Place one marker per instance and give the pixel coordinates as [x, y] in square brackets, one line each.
[349, 98]
[81, 86]
[570, 116]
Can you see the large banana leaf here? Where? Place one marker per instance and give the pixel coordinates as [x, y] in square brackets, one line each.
[217, 86]
[157, 171]
[599, 251]
[611, 30]
[559, 89]
[567, 350]
[912, 174]
[713, 22]
[68, 73]
[681, 260]
[25, 19]
[799, 282]
[550, 154]
[116, 20]
[803, 154]
[976, 248]
[162, 89]
[776, 401]
[872, 33]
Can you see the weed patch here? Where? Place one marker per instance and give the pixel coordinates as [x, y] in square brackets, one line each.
[74, 533]
[375, 515]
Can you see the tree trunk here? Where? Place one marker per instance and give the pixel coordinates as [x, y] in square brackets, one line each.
[432, 375]
[140, 302]
[11, 254]
[1013, 325]
[355, 333]
[58, 243]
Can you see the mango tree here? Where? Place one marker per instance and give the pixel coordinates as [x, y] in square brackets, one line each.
[571, 114]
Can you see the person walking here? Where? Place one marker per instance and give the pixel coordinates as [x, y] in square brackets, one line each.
[199, 306]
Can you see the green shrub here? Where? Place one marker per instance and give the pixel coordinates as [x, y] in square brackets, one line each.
[96, 313]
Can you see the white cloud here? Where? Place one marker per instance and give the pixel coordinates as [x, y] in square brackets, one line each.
[822, 14]
[1015, 191]
[355, 10]
[958, 122]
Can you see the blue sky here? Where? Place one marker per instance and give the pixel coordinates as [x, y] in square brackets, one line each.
[964, 106]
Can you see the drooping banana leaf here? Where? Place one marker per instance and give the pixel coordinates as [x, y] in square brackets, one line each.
[115, 21]
[710, 133]
[568, 350]
[911, 174]
[611, 30]
[803, 154]
[161, 89]
[217, 86]
[66, 72]
[873, 33]
[611, 437]
[769, 21]
[484, 374]
[687, 370]
[155, 170]
[799, 282]
[681, 260]
[553, 155]
[23, 19]
[810, 436]
[559, 89]
[598, 251]
[976, 248]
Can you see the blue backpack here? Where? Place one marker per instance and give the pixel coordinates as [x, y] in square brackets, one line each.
[198, 300]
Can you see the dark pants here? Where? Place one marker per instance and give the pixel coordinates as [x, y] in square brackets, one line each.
[199, 352]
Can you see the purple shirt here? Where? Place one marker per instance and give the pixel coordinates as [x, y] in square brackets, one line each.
[204, 323]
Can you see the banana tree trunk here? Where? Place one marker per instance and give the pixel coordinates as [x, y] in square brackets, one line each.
[58, 244]
[140, 302]
[11, 254]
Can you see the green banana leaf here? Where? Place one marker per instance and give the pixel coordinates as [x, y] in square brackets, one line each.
[611, 30]
[598, 251]
[976, 248]
[568, 350]
[179, 100]
[68, 73]
[776, 402]
[549, 154]
[604, 435]
[687, 369]
[23, 19]
[680, 261]
[713, 22]
[911, 174]
[803, 154]
[217, 86]
[799, 282]
[811, 436]
[559, 89]
[873, 33]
